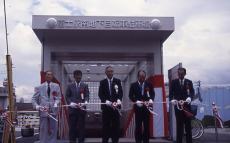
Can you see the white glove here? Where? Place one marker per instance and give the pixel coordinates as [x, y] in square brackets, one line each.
[55, 105]
[84, 104]
[107, 102]
[73, 105]
[188, 100]
[118, 102]
[174, 102]
[201, 109]
[139, 103]
[37, 107]
[150, 101]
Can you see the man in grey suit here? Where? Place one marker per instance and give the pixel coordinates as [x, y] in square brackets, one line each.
[46, 99]
[77, 95]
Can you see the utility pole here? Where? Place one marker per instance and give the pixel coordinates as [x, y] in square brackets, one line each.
[9, 129]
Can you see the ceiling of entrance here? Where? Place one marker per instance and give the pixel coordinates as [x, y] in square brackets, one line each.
[95, 70]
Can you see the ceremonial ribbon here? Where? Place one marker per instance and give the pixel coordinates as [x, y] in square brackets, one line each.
[44, 109]
[113, 105]
[147, 104]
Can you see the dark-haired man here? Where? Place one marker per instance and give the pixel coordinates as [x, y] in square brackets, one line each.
[77, 93]
[181, 90]
[110, 93]
[142, 94]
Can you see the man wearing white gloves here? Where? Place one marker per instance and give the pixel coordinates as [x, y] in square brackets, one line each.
[111, 93]
[46, 99]
[181, 92]
[142, 94]
[77, 94]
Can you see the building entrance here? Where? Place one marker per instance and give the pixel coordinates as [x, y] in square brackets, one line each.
[90, 44]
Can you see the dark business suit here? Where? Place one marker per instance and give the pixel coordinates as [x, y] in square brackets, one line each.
[110, 116]
[76, 115]
[141, 113]
[178, 92]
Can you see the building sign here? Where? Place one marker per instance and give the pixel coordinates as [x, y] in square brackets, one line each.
[103, 24]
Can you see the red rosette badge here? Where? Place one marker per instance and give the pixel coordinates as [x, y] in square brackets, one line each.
[187, 86]
[82, 93]
[147, 91]
[54, 94]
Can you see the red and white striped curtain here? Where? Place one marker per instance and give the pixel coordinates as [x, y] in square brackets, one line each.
[158, 124]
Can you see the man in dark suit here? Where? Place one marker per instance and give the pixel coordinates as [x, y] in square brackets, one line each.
[181, 90]
[77, 93]
[142, 94]
[110, 93]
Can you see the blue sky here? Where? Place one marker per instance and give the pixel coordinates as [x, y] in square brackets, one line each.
[200, 40]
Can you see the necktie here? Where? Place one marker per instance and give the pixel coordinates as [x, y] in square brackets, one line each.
[181, 82]
[78, 87]
[141, 88]
[48, 90]
[110, 86]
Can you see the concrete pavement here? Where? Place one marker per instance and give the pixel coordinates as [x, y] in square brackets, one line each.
[208, 137]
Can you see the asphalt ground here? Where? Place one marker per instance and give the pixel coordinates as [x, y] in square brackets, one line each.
[209, 136]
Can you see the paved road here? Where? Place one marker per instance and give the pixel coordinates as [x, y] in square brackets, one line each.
[208, 137]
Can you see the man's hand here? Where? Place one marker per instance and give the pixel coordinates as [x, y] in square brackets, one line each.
[86, 102]
[139, 103]
[108, 103]
[55, 105]
[150, 101]
[118, 102]
[43, 108]
[188, 100]
[37, 107]
[174, 102]
[181, 102]
[83, 104]
[73, 105]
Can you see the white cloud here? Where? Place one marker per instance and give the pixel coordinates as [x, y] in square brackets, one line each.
[200, 40]
[49, 7]
[25, 50]
[24, 91]
[202, 45]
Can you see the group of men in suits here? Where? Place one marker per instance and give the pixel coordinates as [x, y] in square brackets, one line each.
[47, 97]
[110, 92]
